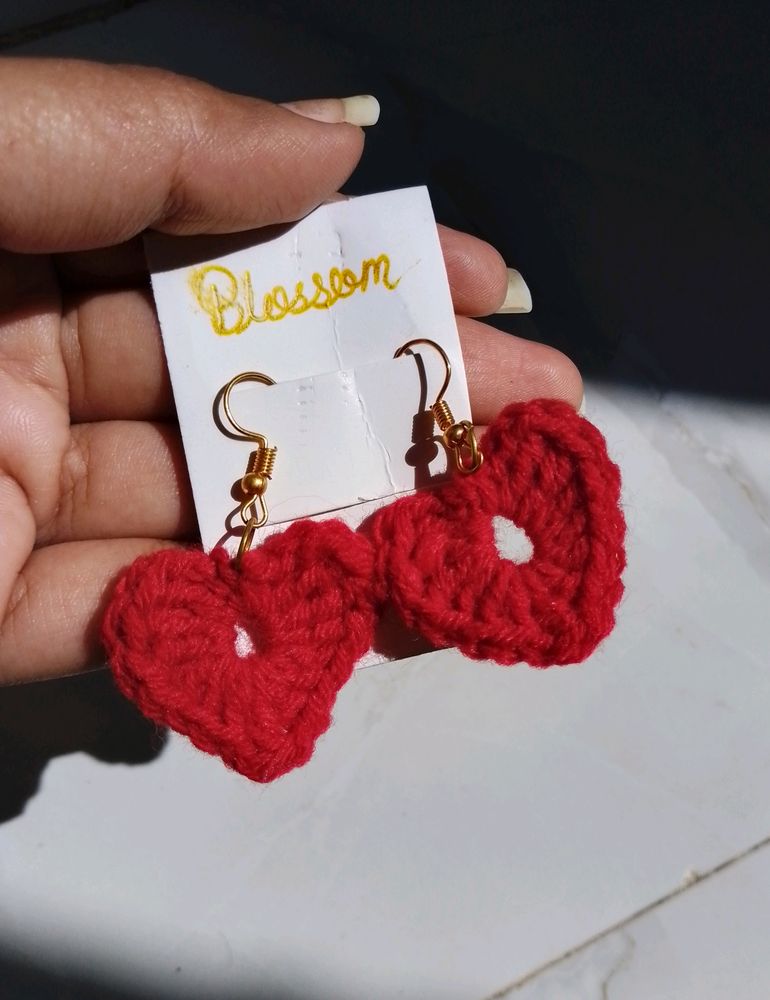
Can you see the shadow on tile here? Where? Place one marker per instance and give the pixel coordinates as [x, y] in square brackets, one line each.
[47, 978]
[82, 714]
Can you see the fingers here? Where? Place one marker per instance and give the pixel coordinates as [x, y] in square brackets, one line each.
[112, 347]
[17, 535]
[127, 478]
[478, 277]
[113, 354]
[52, 627]
[100, 153]
[59, 598]
[503, 369]
[122, 479]
[116, 369]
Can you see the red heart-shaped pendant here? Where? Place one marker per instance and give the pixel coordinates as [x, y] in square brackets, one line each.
[245, 661]
[546, 469]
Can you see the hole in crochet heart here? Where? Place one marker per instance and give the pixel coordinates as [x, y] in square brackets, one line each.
[244, 644]
[511, 541]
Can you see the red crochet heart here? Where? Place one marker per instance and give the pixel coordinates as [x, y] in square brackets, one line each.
[547, 470]
[304, 598]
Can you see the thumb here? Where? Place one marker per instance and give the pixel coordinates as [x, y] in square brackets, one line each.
[94, 154]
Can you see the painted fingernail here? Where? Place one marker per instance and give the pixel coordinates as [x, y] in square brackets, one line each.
[363, 109]
[518, 298]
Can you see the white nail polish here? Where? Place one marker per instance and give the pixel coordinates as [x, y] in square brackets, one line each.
[360, 110]
[518, 298]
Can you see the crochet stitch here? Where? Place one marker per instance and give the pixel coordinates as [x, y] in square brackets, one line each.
[546, 469]
[305, 599]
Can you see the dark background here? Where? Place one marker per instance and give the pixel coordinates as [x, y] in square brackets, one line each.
[617, 155]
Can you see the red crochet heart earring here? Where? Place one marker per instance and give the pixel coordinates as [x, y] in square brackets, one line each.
[246, 656]
[544, 468]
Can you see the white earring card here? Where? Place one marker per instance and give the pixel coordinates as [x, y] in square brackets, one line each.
[320, 307]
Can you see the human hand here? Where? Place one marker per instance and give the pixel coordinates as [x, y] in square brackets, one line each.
[92, 472]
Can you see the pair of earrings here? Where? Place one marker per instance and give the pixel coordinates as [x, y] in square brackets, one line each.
[459, 438]
[246, 656]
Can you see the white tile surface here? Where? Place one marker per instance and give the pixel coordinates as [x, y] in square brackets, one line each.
[708, 943]
[461, 824]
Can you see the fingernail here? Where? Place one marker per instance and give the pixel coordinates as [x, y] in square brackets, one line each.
[363, 109]
[518, 298]
[582, 407]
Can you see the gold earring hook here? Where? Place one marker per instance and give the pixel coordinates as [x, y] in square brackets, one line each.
[459, 436]
[236, 380]
[254, 513]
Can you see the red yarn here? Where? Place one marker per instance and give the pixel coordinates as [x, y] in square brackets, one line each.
[547, 470]
[307, 597]
[304, 597]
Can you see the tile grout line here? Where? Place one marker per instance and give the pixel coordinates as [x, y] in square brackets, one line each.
[621, 924]
[63, 22]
